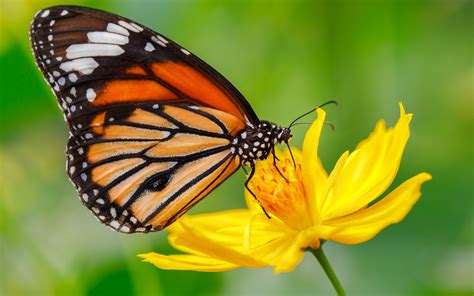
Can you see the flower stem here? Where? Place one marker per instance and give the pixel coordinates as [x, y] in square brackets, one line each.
[323, 260]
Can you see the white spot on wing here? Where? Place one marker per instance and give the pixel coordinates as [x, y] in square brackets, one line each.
[93, 50]
[130, 27]
[45, 13]
[115, 224]
[136, 27]
[90, 94]
[84, 66]
[117, 29]
[158, 41]
[64, 12]
[106, 37]
[185, 51]
[72, 77]
[149, 47]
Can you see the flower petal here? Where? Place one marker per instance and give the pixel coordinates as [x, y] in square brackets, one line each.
[314, 174]
[218, 235]
[275, 243]
[370, 169]
[187, 262]
[365, 224]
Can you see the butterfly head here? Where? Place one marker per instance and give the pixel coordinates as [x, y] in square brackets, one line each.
[284, 136]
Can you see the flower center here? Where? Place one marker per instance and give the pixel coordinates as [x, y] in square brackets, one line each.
[285, 200]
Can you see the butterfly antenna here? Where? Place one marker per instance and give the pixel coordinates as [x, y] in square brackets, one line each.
[330, 124]
[309, 112]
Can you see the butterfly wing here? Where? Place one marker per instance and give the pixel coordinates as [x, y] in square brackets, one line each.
[150, 124]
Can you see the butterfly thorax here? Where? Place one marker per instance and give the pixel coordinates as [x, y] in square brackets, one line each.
[255, 143]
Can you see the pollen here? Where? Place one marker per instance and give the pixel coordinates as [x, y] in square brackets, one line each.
[282, 195]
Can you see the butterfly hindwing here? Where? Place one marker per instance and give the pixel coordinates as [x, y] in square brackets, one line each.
[150, 124]
[139, 169]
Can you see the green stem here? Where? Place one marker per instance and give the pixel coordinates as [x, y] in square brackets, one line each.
[323, 260]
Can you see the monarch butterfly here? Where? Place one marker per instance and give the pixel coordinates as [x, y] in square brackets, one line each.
[153, 129]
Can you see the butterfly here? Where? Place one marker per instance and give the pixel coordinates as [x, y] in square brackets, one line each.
[153, 128]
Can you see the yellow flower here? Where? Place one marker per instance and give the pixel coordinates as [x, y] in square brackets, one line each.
[312, 206]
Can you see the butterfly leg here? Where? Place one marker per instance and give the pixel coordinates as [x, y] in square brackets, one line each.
[274, 163]
[252, 172]
[291, 153]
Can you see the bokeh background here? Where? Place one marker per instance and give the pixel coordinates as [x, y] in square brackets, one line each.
[285, 57]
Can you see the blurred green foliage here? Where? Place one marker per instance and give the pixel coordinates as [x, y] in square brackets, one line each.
[286, 57]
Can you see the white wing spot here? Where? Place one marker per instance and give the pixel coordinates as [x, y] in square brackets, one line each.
[85, 197]
[115, 224]
[162, 39]
[80, 151]
[56, 74]
[72, 77]
[51, 23]
[136, 27]
[185, 51]
[64, 12]
[84, 177]
[61, 81]
[90, 94]
[100, 201]
[50, 37]
[84, 66]
[158, 41]
[73, 91]
[107, 37]
[149, 47]
[72, 170]
[117, 29]
[92, 50]
[45, 13]
[130, 27]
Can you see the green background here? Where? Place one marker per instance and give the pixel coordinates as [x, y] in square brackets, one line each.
[285, 57]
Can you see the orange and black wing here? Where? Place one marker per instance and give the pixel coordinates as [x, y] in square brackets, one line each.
[150, 124]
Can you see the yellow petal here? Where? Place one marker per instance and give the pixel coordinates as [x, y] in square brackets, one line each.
[314, 174]
[201, 235]
[365, 224]
[275, 243]
[187, 262]
[370, 169]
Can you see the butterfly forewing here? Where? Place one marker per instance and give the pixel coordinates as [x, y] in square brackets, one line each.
[151, 125]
